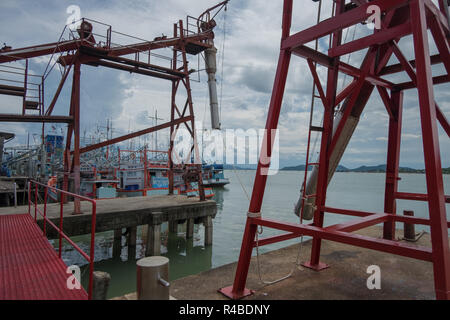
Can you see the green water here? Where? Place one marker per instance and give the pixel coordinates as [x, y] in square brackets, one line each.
[357, 191]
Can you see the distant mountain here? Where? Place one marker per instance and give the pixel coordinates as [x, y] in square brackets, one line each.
[296, 168]
[342, 169]
[368, 169]
[302, 168]
[382, 168]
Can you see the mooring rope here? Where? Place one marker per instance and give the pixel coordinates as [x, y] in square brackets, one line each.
[260, 231]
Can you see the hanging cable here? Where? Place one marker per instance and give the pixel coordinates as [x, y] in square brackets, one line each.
[259, 232]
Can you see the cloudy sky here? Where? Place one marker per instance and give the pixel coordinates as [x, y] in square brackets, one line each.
[251, 30]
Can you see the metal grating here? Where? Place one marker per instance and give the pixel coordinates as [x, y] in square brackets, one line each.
[30, 268]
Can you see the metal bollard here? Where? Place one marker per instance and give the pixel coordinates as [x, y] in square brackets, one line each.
[152, 278]
[100, 285]
[409, 230]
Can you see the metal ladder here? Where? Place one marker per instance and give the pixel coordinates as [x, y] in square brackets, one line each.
[312, 127]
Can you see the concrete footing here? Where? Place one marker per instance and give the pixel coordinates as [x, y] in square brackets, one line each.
[117, 244]
[131, 236]
[207, 222]
[173, 226]
[189, 228]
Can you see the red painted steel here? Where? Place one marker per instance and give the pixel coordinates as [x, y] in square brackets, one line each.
[86, 51]
[89, 258]
[393, 160]
[400, 17]
[30, 268]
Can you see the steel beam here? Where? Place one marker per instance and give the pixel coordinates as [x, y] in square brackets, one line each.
[383, 245]
[359, 224]
[134, 135]
[336, 23]
[130, 69]
[238, 289]
[5, 117]
[374, 39]
[393, 160]
[58, 91]
[325, 145]
[76, 134]
[398, 67]
[325, 61]
[37, 51]
[435, 185]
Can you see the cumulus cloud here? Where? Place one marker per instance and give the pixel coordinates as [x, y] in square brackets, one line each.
[250, 54]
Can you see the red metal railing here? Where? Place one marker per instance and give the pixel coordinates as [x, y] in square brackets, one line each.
[59, 229]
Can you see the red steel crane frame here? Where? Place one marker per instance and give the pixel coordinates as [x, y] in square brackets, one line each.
[400, 18]
[86, 51]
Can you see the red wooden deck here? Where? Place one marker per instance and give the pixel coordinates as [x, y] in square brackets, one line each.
[30, 268]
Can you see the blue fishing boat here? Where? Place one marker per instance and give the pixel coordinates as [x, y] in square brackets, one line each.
[213, 176]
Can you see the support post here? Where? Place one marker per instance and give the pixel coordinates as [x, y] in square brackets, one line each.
[207, 222]
[153, 240]
[132, 234]
[118, 234]
[324, 160]
[409, 232]
[173, 226]
[172, 115]
[190, 104]
[117, 243]
[76, 133]
[100, 285]
[131, 242]
[433, 168]
[238, 290]
[189, 228]
[393, 157]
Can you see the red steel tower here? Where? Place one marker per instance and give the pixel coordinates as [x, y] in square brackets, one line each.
[398, 19]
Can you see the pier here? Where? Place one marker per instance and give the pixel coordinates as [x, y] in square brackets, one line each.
[120, 213]
[346, 279]
[30, 266]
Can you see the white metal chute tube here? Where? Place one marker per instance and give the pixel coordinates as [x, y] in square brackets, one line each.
[211, 68]
[336, 156]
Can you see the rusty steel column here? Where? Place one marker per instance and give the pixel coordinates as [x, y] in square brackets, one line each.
[187, 83]
[172, 113]
[76, 134]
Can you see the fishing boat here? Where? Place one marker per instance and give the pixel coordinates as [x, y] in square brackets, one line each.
[213, 176]
[137, 175]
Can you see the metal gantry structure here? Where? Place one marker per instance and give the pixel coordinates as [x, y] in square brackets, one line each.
[83, 48]
[399, 18]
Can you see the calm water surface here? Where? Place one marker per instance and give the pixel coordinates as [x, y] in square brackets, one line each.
[357, 191]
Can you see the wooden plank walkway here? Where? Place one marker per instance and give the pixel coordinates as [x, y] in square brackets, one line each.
[30, 268]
